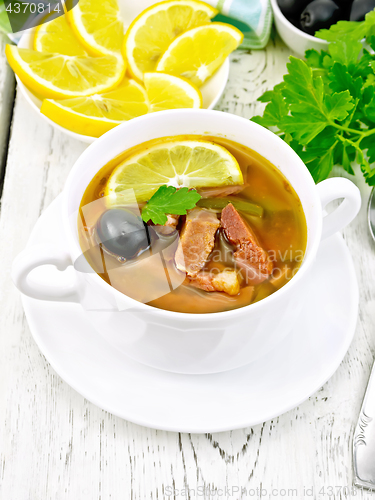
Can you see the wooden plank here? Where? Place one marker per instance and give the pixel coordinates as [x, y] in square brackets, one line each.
[56, 445]
[7, 84]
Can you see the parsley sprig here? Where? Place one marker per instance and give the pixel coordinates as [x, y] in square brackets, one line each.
[169, 200]
[325, 106]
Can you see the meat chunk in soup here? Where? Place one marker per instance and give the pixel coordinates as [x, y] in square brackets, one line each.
[169, 226]
[225, 281]
[197, 240]
[250, 256]
[221, 191]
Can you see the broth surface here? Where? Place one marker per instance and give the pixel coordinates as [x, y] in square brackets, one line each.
[281, 231]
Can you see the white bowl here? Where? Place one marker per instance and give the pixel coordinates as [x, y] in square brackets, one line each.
[173, 341]
[294, 38]
[212, 90]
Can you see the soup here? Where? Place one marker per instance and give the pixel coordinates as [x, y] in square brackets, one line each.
[238, 245]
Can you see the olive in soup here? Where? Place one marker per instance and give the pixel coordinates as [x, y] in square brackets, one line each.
[237, 245]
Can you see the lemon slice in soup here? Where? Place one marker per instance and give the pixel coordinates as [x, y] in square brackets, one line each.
[191, 164]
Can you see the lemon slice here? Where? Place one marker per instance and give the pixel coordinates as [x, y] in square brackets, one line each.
[181, 163]
[60, 76]
[96, 114]
[199, 52]
[170, 92]
[150, 34]
[98, 26]
[56, 36]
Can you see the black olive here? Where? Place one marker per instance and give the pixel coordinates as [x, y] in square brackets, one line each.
[319, 14]
[292, 8]
[123, 233]
[360, 8]
[345, 6]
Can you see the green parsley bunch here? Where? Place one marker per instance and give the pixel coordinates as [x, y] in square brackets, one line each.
[325, 107]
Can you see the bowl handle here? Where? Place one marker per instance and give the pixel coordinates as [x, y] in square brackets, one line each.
[35, 256]
[334, 189]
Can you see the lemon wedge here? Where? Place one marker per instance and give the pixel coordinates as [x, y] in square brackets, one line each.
[96, 114]
[57, 37]
[98, 26]
[180, 163]
[170, 92]
[199, 52]
[61, 76]
[150, 34]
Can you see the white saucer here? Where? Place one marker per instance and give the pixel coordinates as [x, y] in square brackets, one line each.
[201, 403]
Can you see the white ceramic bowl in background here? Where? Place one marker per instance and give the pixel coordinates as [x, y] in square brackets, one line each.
[295, 39]
[212, 90]
[179, 342]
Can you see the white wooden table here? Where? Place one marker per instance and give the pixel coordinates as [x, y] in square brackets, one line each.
[56, 445]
